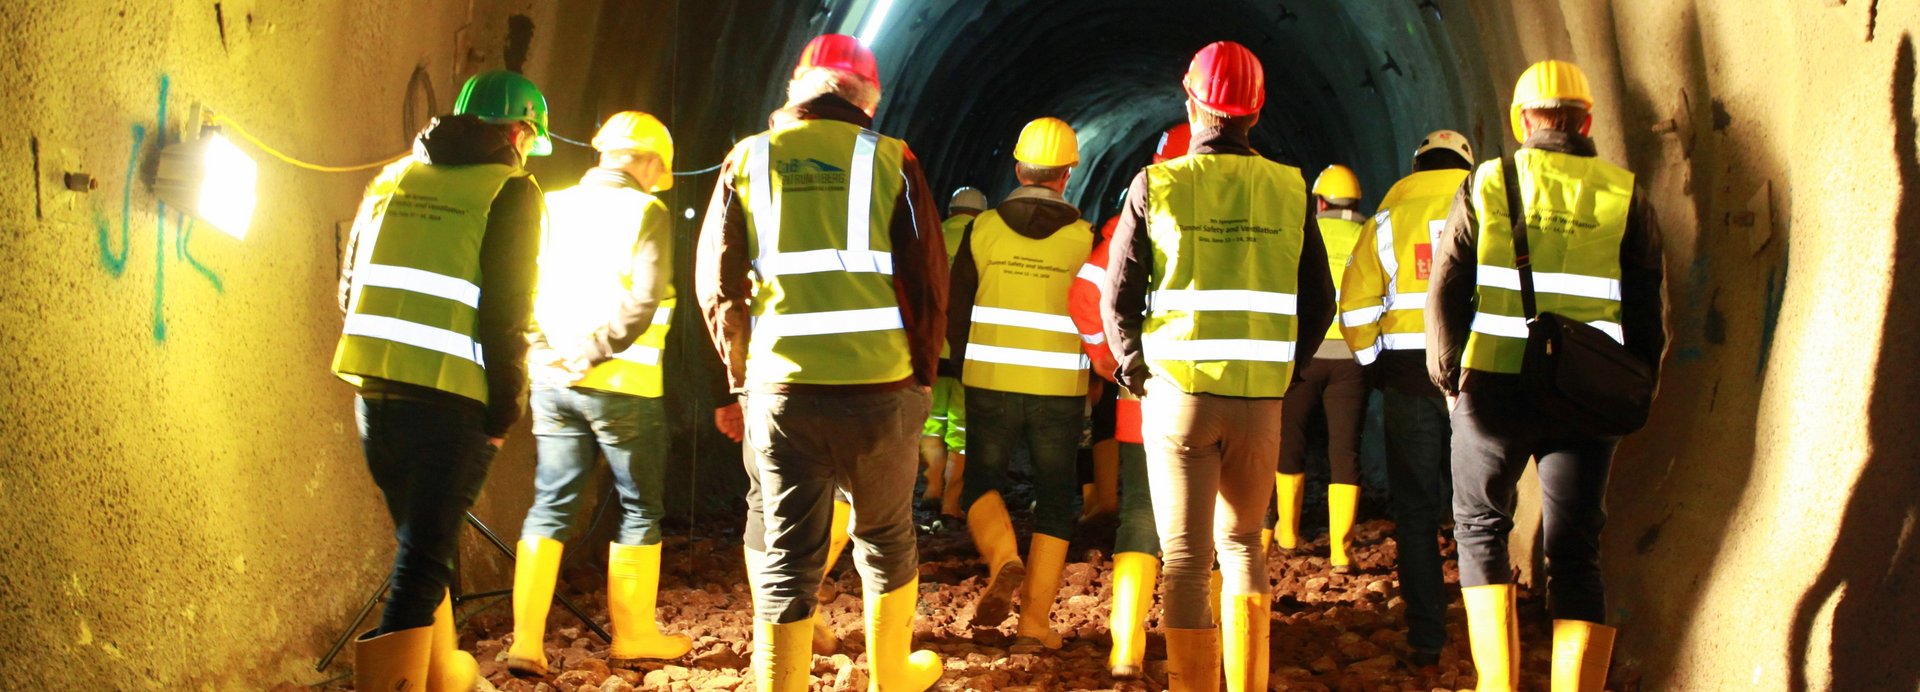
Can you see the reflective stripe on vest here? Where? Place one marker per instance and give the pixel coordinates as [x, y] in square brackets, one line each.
[1387, 296]
[588, 266]
[819, 195]
[413, 303]
[1023, 338]
[1227, 235]
[1576, 218]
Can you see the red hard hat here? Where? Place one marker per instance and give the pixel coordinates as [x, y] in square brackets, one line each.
[839, 52]
[1227, 78]
[1173, 143]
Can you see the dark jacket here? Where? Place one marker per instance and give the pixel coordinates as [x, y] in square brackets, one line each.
[508, 268]
[1032, 211]
[1450, 296]
[725, 289]
[1130, 269]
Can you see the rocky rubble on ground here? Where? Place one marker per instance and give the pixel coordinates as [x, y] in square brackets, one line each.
[1331, 633]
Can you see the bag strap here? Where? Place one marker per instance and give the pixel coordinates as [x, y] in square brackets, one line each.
[1517, 220]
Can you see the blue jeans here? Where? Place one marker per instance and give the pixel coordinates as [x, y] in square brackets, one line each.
[997, 422]
[1421, 478]
[571, 425]
[430, 462]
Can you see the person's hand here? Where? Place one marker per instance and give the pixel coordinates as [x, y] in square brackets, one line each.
[730, 421]
[496, 441]
[1452, 400]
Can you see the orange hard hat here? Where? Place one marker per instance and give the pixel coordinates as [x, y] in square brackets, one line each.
[1226, 78]
[1173, 143]
[839, 52]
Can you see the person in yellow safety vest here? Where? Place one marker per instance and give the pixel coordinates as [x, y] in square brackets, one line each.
[1218, 278]
[1596, 255]
[1332, 383]
[943, 447]
[437, 287]
[1381, 303]
[1136, 545]
[601, 314]
[821, 276]
[1025, 374]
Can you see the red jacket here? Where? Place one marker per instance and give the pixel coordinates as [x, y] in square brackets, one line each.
[1083, 305]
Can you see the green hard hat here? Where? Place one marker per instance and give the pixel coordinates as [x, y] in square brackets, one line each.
[501, 96]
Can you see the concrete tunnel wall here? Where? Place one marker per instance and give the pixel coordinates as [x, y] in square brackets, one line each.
[189, 506]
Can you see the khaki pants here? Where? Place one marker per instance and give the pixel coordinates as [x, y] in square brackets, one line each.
[1210, 462]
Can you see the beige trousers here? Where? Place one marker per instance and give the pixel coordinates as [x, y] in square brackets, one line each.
[1210, 464]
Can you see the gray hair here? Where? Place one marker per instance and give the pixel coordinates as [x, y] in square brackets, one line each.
[818, 81]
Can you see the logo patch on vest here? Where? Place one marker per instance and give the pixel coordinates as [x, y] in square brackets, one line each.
[810, 175]
[1423, 261]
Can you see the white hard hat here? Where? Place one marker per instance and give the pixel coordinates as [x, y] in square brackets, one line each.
[1448, 140]
[967, 198]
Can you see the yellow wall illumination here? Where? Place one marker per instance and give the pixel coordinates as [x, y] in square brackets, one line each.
[211, 179]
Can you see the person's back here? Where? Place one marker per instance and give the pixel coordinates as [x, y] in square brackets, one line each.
[821, 276]
[1218, 279]
[1595, 258]
[437, 288]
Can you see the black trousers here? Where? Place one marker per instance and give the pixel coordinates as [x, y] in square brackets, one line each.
[1495, 433]
[430, 461]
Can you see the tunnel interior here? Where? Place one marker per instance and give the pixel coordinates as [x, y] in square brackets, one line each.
[186, 469]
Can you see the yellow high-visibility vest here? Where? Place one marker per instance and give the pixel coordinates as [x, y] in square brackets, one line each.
[1576, 218]
[1227, 235]
[587, 269]
[414, 302]
[1383, 295]
[820, 195]
[953, 230]
[1023, 339]
[1339, 230]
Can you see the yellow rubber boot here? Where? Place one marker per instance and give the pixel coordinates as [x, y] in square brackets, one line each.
[933, 454]
[393, 661]
[1214, 585]
[1243, 630]
[448, 668]
[1046, 558]
[956, 482]
[1133, 577]
[1494, 634]
[535, 568]
[1342, 498]
[1266, 540]
[1289, 490]
[825, 642]
[633, 585]
[1102, 499]
[1193, 660]
[783, 656]
[1581, 652]
[993, 536]
[892, 664]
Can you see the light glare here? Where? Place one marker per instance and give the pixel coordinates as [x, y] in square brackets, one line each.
[227, 187]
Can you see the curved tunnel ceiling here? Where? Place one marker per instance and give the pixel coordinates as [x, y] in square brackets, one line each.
[1354, 83]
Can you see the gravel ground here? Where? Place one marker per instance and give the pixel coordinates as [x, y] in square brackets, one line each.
[1330, 632]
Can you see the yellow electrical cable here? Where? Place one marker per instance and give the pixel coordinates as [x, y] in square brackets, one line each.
[224, 121]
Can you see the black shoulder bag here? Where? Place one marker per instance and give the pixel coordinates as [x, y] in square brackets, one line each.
[1573, 372]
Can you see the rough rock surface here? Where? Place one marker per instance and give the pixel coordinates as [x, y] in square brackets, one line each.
[1330, 632]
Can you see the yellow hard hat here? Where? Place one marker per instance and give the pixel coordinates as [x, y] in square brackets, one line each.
[1549, 84]
[1047, 142]
[1337, 183]
[641, 132]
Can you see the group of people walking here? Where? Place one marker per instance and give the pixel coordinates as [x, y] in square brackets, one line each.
[860, 336]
